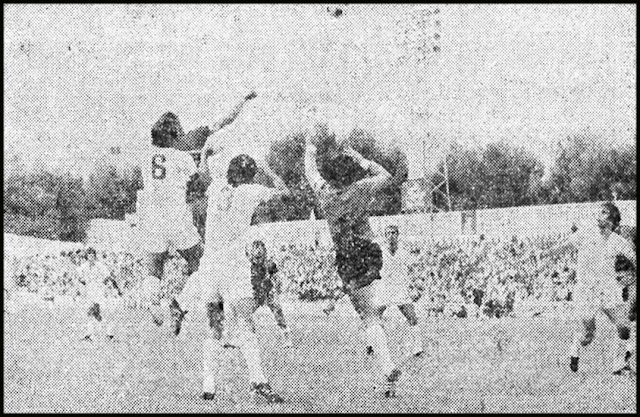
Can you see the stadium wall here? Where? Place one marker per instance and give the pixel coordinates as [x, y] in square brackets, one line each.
[518, 221]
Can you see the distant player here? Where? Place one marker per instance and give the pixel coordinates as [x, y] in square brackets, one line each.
[225, 275]
[165, 218]
[627, 274]
[597, 288]
[10, 268]
[263, 276]
[95, 277]
[265, 293]
[345, 187]
[393, 288]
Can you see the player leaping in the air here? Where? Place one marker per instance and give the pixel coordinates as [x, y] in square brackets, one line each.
[225, 273]
[344, 197]
[597, 288]
[165, 218]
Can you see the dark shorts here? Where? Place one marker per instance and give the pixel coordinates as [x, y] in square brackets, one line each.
[262, 282]
[359, 264]
[264, 298]
[477, 297]
[94, 311]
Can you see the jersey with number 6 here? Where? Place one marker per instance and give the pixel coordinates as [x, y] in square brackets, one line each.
[165, 174]
[165, 218]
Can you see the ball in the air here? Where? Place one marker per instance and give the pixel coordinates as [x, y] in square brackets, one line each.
[334, 11]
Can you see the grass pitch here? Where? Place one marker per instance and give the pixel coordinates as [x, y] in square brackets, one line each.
[470, 365]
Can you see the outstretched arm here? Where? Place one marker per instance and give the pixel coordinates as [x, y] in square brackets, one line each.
[195, 139]
[234, 113]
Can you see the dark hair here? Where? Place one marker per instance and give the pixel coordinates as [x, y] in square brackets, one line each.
[341, 171]
[613, 214]
[165, 130]
[258, 244]
[242, 170]
[90, 250]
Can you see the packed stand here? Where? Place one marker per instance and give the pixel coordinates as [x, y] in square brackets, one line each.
[453, 277]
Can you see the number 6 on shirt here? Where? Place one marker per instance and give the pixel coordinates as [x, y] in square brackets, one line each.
[158, 171]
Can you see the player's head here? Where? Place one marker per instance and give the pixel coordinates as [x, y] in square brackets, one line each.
[166, 130]
[242, 170]
[257, 252]
[340, 171]
[91, 254]
[391, 234]
[608, 217]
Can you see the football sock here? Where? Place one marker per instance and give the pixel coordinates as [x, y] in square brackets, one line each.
[91, 328]
[416, 337]
[378, 340]
[109, 328]
[211, 351]
[251, 352]
[574, 348]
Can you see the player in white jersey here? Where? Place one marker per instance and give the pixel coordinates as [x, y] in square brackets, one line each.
[393, 288]
[597, 288]
[165, 218]
[225, 273]
[95, 275]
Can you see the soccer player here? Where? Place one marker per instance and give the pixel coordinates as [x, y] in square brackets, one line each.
[263, 276]
[225, 275]
[344, 194]
[95, 276]
[166, 220]
[597, 288]
[263, 271]
[626, 271]
[393, 288]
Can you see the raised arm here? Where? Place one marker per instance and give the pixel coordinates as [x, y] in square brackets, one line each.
[311, 166]
[234, 113]
[378, 176]
[280, 186]
[196, 139]
[211, 148]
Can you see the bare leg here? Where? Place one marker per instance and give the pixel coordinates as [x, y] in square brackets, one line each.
[409, 312]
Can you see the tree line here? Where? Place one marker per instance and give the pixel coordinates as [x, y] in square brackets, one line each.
[59, 206]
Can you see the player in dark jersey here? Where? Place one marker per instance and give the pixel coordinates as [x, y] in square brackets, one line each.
[626, 272]
[263, 270]
[265, 293]
[344, 190]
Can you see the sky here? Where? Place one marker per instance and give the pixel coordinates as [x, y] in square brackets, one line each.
[80, 79]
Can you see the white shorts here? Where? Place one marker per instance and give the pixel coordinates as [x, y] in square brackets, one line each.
[225, 273]
[591, 298]
[161, 230]
[388, 294]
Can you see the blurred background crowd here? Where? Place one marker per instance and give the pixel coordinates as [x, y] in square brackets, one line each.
[492, 277]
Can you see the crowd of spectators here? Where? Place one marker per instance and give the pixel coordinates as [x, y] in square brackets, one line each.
[456, 277]
[55, 275]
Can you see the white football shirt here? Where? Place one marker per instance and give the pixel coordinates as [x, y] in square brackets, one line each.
[229, 212]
